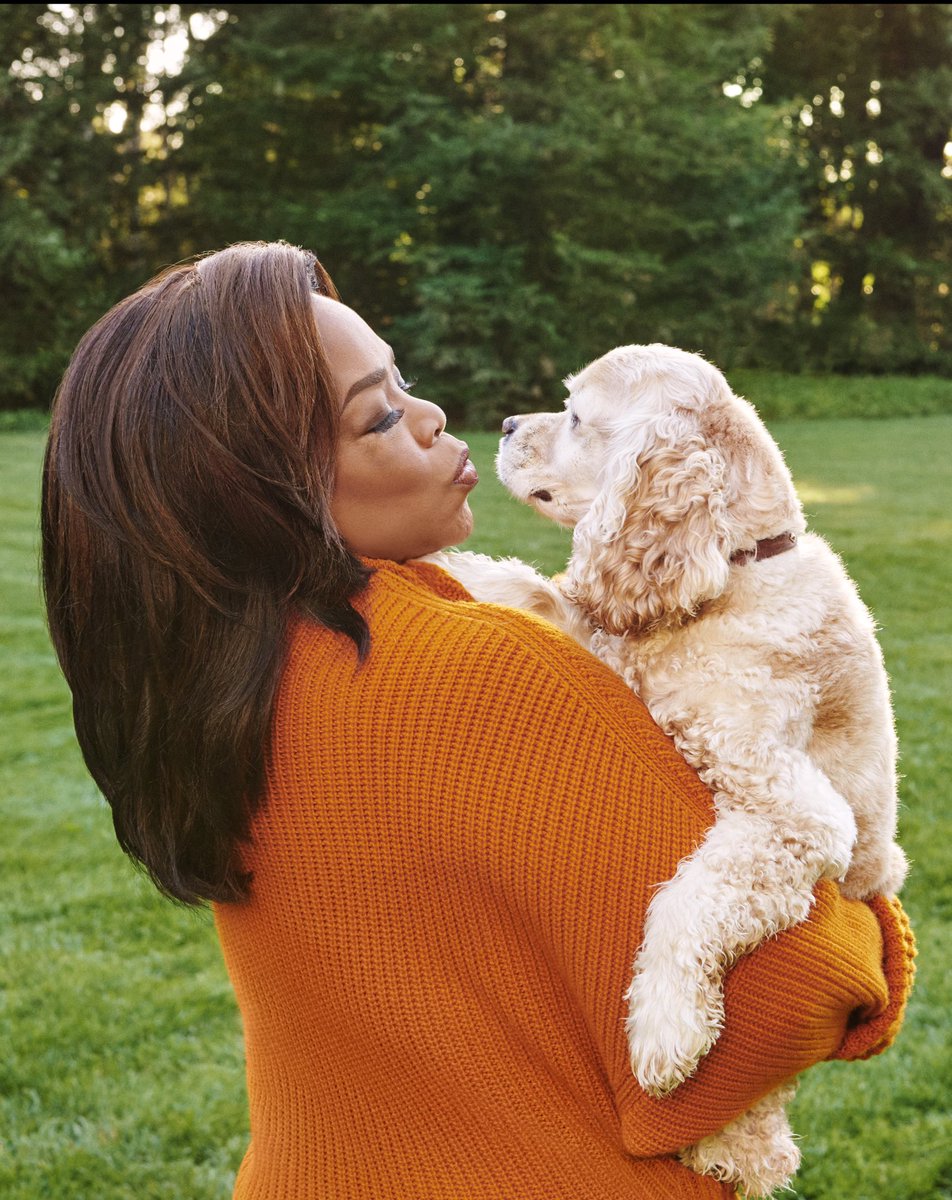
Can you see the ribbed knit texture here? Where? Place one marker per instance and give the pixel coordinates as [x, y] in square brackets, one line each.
[451, 869]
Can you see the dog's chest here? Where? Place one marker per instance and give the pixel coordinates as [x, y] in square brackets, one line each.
[702, 665]
[640, 661]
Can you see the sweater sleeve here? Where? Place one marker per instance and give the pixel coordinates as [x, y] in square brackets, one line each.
[834, 987]
[622, 808]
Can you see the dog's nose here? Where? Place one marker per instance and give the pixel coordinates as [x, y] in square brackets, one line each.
[509, 425]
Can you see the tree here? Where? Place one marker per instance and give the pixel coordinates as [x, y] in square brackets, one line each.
[509, 192]
[74, 169]
[870, 87]
[504, 193]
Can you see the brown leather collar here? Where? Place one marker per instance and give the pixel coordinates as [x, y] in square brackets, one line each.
[766, 548]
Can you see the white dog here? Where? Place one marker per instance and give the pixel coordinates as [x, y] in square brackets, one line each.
[691, 575]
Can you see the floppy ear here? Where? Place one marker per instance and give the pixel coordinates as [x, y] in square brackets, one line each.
[655, 543]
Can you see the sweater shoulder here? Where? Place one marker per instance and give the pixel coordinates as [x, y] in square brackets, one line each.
[419, 616]
[437, 653]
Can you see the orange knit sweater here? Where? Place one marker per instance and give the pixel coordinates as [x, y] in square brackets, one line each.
[451, 870]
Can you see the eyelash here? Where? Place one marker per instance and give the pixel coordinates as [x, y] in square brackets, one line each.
[394, 415]
[388, 422]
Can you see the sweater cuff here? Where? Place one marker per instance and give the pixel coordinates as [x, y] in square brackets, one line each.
[873, 1028]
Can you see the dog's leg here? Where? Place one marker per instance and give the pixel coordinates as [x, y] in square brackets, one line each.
[778, 831]
[697, 923]
[515, 584]
[756, 1152]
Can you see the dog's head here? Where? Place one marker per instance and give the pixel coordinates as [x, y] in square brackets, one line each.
[662, 472]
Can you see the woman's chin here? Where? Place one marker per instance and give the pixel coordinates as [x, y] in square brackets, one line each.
[454, 534]
[466, 524]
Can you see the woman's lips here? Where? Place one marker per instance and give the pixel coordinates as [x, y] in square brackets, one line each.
[465, 471]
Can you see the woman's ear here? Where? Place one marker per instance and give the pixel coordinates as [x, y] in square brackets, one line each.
[656, 542]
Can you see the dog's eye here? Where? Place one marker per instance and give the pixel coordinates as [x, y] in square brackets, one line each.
[573, 420]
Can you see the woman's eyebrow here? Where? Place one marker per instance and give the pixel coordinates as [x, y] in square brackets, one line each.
[361, 385]
[368, 381]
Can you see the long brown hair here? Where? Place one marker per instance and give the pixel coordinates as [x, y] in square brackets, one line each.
[185, 516]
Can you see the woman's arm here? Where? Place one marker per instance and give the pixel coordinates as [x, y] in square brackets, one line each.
[623, 809]
[834, 987]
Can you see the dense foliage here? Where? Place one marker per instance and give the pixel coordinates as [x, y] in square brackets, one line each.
[504, 193]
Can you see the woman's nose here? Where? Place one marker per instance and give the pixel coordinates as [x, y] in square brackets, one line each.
[433, 421]
[509, 425]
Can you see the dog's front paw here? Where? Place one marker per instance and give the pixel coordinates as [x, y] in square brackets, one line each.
[671, 1025]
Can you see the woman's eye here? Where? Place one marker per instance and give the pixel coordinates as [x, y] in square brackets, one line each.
[574, 420]
[388, 422]
[405, 385]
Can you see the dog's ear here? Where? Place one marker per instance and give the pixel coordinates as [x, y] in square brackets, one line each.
[655, 543]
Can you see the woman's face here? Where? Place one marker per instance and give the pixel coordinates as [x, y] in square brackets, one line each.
[401, 483]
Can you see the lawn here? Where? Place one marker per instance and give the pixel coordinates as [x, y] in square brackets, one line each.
[121, 1071]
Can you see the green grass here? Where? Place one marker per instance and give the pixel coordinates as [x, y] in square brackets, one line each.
[24, 420]
[121, 1071]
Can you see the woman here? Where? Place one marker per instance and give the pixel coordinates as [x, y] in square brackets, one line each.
[430, 828]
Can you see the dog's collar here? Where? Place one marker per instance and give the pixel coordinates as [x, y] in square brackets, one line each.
[766, 548]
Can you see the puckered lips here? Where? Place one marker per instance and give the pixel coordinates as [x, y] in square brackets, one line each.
[465, 471]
